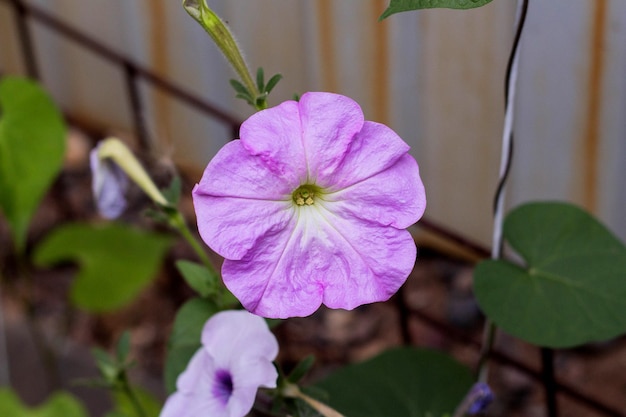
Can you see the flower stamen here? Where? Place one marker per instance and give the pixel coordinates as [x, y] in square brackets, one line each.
[304, 195]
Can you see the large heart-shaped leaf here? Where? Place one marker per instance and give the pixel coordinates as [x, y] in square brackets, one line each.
[58, 405]
[405, 382]
[32, 144]
[572, 289]
[116, 261]
[185, 337]
[397, 6]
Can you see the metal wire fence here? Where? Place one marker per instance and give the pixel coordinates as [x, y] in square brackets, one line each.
[26, 15]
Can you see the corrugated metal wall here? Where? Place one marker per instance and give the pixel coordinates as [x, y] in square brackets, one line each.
[435, 76]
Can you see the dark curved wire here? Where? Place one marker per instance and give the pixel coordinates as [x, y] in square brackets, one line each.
[509, 67]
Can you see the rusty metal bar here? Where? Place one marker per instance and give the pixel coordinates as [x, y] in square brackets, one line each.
[26, 42]
[549, 381]
[134, 97]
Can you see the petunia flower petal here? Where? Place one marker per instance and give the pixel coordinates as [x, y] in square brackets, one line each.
[324, 259]
[249, 373]
[242, 330]
[201, 363]
[234, 172]
[394, 197]
[271, 280]
[382, 259]
[231, 226]
[254, 371]
[272, 135]
[374, 149]
[329, 123]
[194, 387]
[230, 216]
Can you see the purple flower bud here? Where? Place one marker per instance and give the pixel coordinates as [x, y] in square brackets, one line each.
[479, 397]
[109, 184]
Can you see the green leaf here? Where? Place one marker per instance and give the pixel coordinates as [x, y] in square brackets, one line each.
[173, 191]
[148, 402]
[116, 262]
[404, 382]
[260, 79]
[123, 347]
[108, 368]
[240, 88]
[199, 278]
[397, 6]
[301, 369]
[272, 83]
[573, 287]
[32, 145]
[58, 405]
[185, 337]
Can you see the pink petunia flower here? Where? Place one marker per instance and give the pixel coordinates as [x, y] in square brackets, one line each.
[310, 207]
[222, 378]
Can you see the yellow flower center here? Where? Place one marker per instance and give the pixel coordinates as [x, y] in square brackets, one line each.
[305, 195]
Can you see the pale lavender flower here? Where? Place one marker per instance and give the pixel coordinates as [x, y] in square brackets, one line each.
[223, 377]
[109, 185]
[310, 207]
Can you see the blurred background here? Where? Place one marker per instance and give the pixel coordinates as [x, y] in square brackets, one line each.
[144, 70]
[436, 77]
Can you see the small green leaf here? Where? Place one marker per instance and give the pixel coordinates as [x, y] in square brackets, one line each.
[123, 347]
[58, 405]
[301, 369]
[173, 191]
[240, 88]
[260, 79]
[199, 278]
[572, 289]
[108, 368]
[185, 337]
[400, 382]
[397, 6]
[272, 83]
[32, 144]
[116, 261]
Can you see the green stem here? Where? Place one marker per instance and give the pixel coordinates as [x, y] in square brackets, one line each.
[178, 222]
[489, 336]
[293, 391]
[128, 391]
[223, 38]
